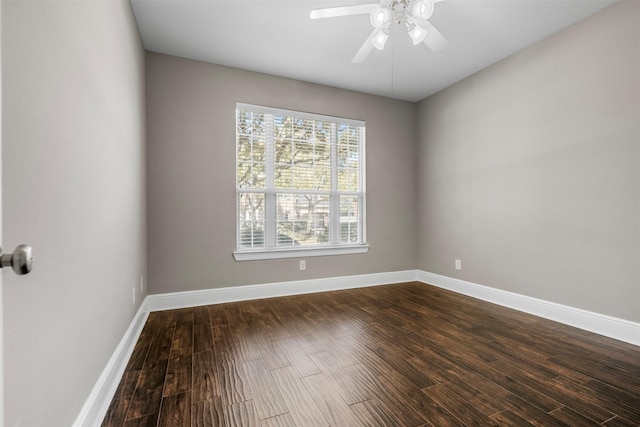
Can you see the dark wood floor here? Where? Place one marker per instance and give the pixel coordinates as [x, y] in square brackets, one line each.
[397, 355]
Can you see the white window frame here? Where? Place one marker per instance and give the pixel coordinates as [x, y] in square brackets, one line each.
[334, 246]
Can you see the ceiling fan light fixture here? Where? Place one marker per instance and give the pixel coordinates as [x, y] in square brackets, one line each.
[380, 39]
[423, 9]
[380, 16]
[413, 15]
[417, 34]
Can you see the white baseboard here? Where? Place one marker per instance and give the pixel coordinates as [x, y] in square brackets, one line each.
[608, 326]
[97, 404]
[249, 292]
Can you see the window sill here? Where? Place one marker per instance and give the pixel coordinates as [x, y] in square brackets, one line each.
[299, 253]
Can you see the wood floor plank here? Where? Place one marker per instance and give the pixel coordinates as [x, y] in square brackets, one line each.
[620, 422]
[202, 336]
[573, 418]
[208, 413]
[182, 342]
[302, 407]
[620, 401]
[298, 358]
[217, 315]
[222, 338]
[234, 386]
[146, 421]
[455, 404]
[509, 419]
[529, 412]
[246, 345]
[579, 398]
[398, 357]
[386, 398]
[407, 354]
[418, 407]
[533, 395]
[178, 376]
[371, 413]
[334, 409]
[148, 394]
[119, 407]
[160, 348]
[266, 396]
[270, 352]
[241, 414]
[141, 349]
[176, 411]
[283, 420]
[205, 380]
[201, 315]
[340, 378]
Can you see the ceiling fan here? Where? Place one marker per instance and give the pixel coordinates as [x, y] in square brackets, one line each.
[413, 14]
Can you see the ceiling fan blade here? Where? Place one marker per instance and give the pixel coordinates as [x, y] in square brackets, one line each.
[331, 12]
[364, 50]
[435, 40]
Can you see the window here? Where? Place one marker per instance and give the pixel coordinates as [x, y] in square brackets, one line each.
[300, 184]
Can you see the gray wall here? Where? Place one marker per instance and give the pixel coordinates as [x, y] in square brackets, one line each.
[73, 172]
[191, 175]
[530, 170]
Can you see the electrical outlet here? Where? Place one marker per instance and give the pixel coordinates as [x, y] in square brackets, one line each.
[458, 264]
[303, 265]
[133, 291]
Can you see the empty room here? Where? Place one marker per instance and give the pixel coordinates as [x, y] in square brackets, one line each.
[320, 213]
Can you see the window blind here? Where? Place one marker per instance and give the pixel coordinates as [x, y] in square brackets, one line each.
[300, 180]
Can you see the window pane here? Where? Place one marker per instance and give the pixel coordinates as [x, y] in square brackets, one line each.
[302, 178]
[251, 220]
[283, 151]
[257, 150]
[249, 123]
[302, 129]
[315, 160]
[349, 218]
[243, 174]
[284, 176]
[251, 175]
[322, 179]
[243, 122]
[303, 153]
[348, 135]
[258, 125]
[348, 179]
[323, 131]
[250, 153]
[322, 154]
[282, 127]
[343, 156]
[286, 221]
[244, 147]
[302, 219]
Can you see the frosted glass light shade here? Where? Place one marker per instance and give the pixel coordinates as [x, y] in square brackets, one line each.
[417, 34]
[423, 9]
[379, 17]
[379, 39]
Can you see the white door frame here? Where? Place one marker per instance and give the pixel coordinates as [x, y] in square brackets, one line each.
[1, 293]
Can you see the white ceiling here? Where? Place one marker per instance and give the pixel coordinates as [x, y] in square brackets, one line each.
[278, 37]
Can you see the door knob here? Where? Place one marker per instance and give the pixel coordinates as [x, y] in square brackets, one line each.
[21, 260]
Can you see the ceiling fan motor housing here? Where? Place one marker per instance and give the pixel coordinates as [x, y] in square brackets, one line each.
[401, 11]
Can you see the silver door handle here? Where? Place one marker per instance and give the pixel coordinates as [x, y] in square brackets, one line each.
[21, 260]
